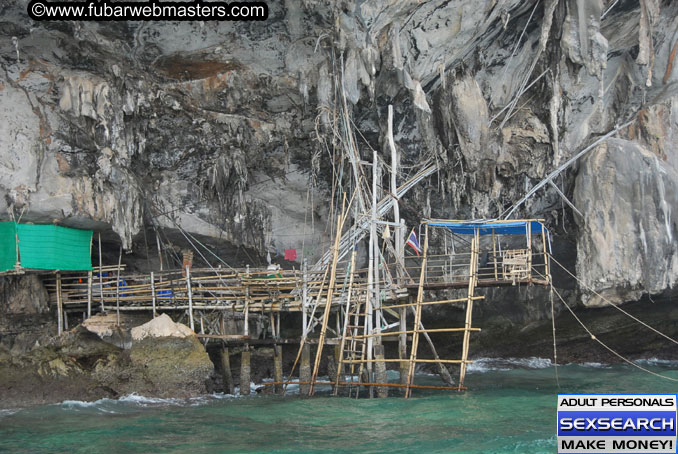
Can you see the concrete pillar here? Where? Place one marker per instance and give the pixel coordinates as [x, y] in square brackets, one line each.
[245, 372]
[226, 371]
[277, 368]
[380, 370]
[305, 369]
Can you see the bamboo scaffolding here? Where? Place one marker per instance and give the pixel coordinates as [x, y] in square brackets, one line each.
[330, 293]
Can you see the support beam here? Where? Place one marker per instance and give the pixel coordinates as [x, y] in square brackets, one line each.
[380, 370]
[89, 294]
[60, 306]
[245, 372]
[117, 288]
[226, 374]
[473, 276]
[305, 369]
[417, 317]
[101, 276]
[153, 302]
[190, 298]
[277, 367]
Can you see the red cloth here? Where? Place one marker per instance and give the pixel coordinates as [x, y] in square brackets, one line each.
[290, 254]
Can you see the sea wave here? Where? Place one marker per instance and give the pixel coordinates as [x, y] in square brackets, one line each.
[657, 362]
[481, 365]
[8, 412]
[133, 400]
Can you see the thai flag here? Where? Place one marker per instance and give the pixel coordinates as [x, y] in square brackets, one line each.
[413, 242]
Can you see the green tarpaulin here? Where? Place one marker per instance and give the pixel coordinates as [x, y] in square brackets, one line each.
[7, 246]
[45, 247]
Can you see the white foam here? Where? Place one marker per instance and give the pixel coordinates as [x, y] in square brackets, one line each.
[8, 412]
[481, 365]
[658, 362]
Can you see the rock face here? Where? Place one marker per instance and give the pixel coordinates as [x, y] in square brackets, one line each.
[628, 246]
[232, 131]
[81, 366]
[161, 326]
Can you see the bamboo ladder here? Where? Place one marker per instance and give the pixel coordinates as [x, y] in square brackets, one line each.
[417, 317]
[472, 283]
[347, 320]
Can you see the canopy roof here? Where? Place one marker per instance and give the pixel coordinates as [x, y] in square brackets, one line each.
[486, 228]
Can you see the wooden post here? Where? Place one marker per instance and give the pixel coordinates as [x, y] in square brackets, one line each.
[60, 307]
[277, 367]
[153, 292]
[190, 297]
[245, 372]
[117, 289]
[89, 294]
[380, 370]
[226, 375]
[101, 277]
[305, 369]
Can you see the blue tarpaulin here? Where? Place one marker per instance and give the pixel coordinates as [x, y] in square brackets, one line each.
[499, 228]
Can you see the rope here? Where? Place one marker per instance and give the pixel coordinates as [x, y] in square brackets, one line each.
[612, 304]
[553, 325]
[607, 347]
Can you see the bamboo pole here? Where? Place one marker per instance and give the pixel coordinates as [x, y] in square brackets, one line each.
[473, 267]
[347, 318]
[421, 330]
[153, 292]
[494, 254]
[390, 385]
[529, 251]
[190, 299]
[89, 294]
[330, 294]
[304, 299]
[417, 317]
[117, 289]
[429, 303]
[60, 307]
[101, 276]
[547, 268]
[247, 304]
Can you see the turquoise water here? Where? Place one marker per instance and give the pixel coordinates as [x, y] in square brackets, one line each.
[510, 408]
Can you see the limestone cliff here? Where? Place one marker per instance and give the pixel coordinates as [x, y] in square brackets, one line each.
[226, 129]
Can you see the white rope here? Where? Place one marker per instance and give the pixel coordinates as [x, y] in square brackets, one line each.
[553, 325]
[612, 304]
[593, 337]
